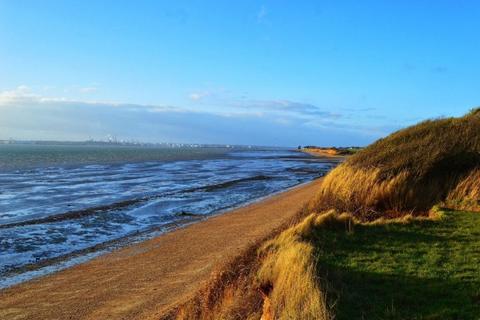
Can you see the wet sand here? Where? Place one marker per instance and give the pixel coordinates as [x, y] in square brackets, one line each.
[144, 280]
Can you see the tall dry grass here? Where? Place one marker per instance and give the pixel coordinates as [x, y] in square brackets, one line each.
[466, 195]
[408, 171]
[288, 270]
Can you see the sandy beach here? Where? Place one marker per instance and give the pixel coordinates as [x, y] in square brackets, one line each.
[144, 280]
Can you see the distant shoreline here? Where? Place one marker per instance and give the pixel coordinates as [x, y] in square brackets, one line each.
[328, 152]
[133, 143]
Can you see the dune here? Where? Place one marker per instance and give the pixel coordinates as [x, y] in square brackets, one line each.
[435, 161]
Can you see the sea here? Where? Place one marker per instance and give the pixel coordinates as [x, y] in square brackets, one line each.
[63, 204]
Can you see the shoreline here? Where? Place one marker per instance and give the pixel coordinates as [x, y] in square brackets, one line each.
[161, 271]
[54, 265]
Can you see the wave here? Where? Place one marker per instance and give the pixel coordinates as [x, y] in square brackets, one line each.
[105, 246]
[78, 214]
[231, 183]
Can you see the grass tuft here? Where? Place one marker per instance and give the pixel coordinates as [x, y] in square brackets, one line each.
[288, 270]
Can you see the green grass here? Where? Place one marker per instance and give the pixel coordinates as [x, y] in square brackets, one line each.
[419, 270]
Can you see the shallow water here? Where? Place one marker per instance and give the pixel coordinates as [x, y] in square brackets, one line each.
[68, 211]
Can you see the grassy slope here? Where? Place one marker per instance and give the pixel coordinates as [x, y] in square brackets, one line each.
[419, 270]
[410, 170]
[423, 269]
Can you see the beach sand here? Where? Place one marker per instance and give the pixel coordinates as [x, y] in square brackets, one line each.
[324, 153]
[144, 280]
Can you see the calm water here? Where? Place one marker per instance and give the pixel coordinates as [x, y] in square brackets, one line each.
[61, 205]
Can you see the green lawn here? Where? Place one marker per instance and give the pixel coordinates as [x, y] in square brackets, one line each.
[421, 270]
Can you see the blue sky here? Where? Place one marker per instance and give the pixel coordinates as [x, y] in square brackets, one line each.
[244, 72]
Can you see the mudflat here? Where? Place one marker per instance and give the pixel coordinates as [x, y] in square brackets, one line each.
[144, 280]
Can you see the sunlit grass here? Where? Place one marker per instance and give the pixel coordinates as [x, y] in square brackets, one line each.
[410, 170]
[288, 272]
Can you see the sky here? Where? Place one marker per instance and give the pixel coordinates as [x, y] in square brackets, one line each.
[279, 73]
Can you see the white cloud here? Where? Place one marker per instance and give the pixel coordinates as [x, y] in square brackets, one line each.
[88, 89]
[298, 107]
[22, 88]
[285, 108]
[20, 93]
[196, 96]
[225, 103]
[27, 115]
